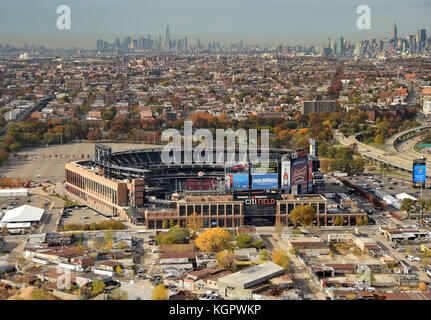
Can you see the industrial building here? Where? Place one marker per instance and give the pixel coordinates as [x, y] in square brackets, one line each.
[240, 284]
[23, 217]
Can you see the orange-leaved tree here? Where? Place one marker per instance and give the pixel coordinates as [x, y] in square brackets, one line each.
[213, 240]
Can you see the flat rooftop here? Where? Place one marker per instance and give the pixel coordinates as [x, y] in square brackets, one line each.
[252, 275]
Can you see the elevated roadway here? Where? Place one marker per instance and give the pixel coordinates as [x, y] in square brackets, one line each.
[395, 159]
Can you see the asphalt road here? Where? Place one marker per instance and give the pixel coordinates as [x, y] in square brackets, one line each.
[402, 161]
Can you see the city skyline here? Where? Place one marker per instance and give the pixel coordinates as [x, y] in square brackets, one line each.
[255, 23]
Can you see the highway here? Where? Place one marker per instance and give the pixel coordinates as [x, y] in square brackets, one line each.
[401, 161]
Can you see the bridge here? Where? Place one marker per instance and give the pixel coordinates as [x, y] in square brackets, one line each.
[391, 157]
[38, 106]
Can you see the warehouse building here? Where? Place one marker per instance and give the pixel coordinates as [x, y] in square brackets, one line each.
[23, 217]
[240, 284]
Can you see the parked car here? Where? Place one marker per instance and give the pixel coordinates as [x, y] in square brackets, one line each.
[413, 258]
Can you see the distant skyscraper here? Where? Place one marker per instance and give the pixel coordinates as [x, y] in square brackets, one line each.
[394, 31]
[99, 45]
[167, 37]
[340, 45]
[423, 35]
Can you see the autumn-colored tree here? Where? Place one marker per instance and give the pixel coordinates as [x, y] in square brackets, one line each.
[265, 255]
[422, 286]
[109, 235]
[97, 287]
[119, 270]
[281, 258]
[366, 220]
[194, 223]
[226, 259]
[213, 240]
[165, 224]
[160, 293]
[303, 214]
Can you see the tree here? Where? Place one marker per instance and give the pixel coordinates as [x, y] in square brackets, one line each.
[117, 294]
[422, 286]
[171, 223]
[179, 234]
[408, 205]
[265, 255]
[366, 220]
[281, 258]
[119, 270]
[243, 240]
[423, 205]
[258, 244]
[195, 223]
[303, 214]
[122, 245]
[176, 234]
[108, 245]
[213, 240]
[294, 251]
[360, 222]
[165, 224]
[227, 259]
[108, 235]
[97, 287]
[160, 293]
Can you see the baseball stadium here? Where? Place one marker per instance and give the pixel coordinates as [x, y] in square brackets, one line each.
[138, 187]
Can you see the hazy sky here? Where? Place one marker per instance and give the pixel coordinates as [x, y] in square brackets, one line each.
[263, 21]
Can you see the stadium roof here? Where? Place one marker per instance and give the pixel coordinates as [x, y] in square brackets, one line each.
[24, 213]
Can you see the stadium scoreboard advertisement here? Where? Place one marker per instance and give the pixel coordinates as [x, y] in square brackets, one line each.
[264, 175]
[237, 176]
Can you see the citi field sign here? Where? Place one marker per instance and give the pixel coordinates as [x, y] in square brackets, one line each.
[259, 201]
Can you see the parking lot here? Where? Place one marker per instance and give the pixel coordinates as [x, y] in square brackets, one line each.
[8, 203]
[81, 215]
[390, 184]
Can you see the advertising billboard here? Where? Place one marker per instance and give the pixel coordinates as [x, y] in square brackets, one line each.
[197, 185]
[285, 174]
[310, 176]
[298, 174]
[270, 167]
[264, 181]
[313, 148]
[264, 175]
[236, 176]
[419, 173]
[236, 181]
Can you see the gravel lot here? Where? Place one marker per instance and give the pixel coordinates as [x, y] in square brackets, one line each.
[47, 163]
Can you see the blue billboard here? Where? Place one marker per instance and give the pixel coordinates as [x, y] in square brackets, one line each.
[265, 181]
[419, 173]
[236, 181]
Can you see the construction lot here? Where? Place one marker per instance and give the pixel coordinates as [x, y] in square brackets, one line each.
[47, 163]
